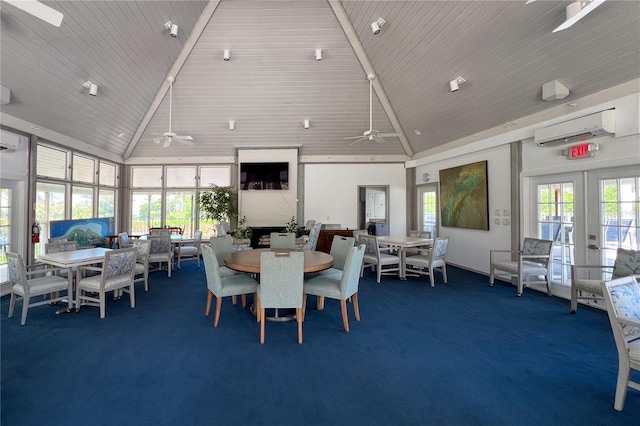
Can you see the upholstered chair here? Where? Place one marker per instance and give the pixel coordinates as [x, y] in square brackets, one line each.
[124, 241]
[341, 289]
[222, 247]
[622, 298]
[159, 231]
[312, 242]
[627, 263]
[190, 251]
[161, 251]
[283, 240]
[410, 251]
[142, 262]
[59, 247]
[240, 284]
[430, 260]
[530, 268]
[29, 285]
[281, 280]
[309, 224]
[223, 228]
[378, 257]
[117, 272]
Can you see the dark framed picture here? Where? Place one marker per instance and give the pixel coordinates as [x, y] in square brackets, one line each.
[464, 196]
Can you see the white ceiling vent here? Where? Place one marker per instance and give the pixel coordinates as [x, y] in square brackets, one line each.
[586, 127]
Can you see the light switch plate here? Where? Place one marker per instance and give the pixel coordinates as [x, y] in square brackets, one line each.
[496, 221]
[506, 221]
[506, 212]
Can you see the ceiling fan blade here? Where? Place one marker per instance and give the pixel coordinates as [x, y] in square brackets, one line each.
[167, 142]
[39, 10]
[189, 142]
[359, 140]
[354, 137]
[577, 11]
[389, 135]
[183, 138]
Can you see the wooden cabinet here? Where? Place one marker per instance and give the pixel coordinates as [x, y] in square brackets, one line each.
[326, 238]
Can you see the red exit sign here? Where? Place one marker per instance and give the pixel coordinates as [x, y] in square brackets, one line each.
[582, 150]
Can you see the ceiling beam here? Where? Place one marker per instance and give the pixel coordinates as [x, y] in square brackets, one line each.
[198, 28]
[345, 23]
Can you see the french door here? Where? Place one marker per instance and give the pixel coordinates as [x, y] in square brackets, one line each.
[428, 208]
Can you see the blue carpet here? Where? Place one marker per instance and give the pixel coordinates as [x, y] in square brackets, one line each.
[461, 353]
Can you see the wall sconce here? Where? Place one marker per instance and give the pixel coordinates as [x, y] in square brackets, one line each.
[306, 124]
[227, 54]
[232, 125]
[93, 88]
[318, 54]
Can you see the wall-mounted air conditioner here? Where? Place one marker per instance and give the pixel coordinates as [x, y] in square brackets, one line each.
[8, 142]
[586, 127]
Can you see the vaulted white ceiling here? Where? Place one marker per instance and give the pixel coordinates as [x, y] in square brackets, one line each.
[504, 49]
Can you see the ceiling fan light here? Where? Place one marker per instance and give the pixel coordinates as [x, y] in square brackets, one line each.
[306, 124]
[318, 54]
[226, 54]
[232, 125]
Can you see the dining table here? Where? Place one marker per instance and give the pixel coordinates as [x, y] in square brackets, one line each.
[73, 259]
[402, 242]
[249, 261]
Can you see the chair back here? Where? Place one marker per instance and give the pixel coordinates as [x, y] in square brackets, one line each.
[197, 236]
[283, 240]
[627, 263]
[351, 274]
[59, 247]
[371, 245]
[281, 279]
[413, 233]
[123, 240]
[159, 231]
[313, 237]
[160, 244]
[58, 240]
[439, 249]
[212, 270]
[358, 232]
[424, 234]
[622, 298]
[222, 246]
[309, 224]
[143, 247]
[535, 246]
[223, 228]
[17, 271]
[119, 265]
[340, 248]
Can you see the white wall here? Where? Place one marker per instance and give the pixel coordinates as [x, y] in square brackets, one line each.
[331, 192]
[469, 248]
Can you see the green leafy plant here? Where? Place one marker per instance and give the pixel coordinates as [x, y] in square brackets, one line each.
[242, 232]
[292, 226]
[219, 203]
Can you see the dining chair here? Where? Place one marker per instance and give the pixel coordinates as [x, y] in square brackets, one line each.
[627, 263]
[378, 257]
[314, 234]
[530, 268]
[161, 251]
[233, 285]
[159, 231]
[285, 240]
[124, 241]
[341, 289]
[117, 272]
[190, 251]
[281, 281]
[43, 283]
[429, 260]
[622, 299]
[59, 247]
[58, 240]
[142, 262]
[411, 251]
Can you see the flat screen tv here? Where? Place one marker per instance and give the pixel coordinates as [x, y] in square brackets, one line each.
[257, 176]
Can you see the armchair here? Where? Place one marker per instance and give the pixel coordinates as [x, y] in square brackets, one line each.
[531, 268]
[314, 233]
[378, 257]
[627, 263]
[142, 262]
[124, 241]
[622, 298]
[425, 264]
[25, 288]
[161, 251]
[117, 272]
[190, 251]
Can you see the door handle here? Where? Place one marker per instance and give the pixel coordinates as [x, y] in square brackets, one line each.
[594, 247]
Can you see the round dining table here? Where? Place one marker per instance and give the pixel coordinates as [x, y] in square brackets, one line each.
[249, 260]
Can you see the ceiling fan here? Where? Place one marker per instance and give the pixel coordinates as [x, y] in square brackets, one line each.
[575, 11]
[39, 10]
[371, 134]
[170, 136]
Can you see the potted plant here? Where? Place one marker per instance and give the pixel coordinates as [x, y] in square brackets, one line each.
[292, 226]
[218, 204]
[242, 232]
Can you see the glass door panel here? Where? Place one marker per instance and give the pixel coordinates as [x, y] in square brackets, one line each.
[428, 208]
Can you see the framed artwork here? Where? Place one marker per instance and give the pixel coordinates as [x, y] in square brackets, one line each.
[93, 232]
[464, 199]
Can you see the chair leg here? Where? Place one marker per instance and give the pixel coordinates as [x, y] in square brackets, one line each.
[574, 299]
[132, 295]
[25, 308]
[621, 385]
[262, 317]
[444, 273]
[146, 281]
[431, 277]
[320, 303]
[304, 305]
[356, 308]
[208, 308]
[258, 308]
[12, 304]
[218, 308]
[491, 276]
[243, 298]
[345, 320]
[103, 308]
[234, 299]
[300, 317]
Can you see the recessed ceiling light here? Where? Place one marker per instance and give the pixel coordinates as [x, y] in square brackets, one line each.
[418, 132]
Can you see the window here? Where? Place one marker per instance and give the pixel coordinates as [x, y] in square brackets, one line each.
[180, 209]
[84, 169]
[146, 211]
[5, 230]
[49, 162]
[106, 203]
[50, 205]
